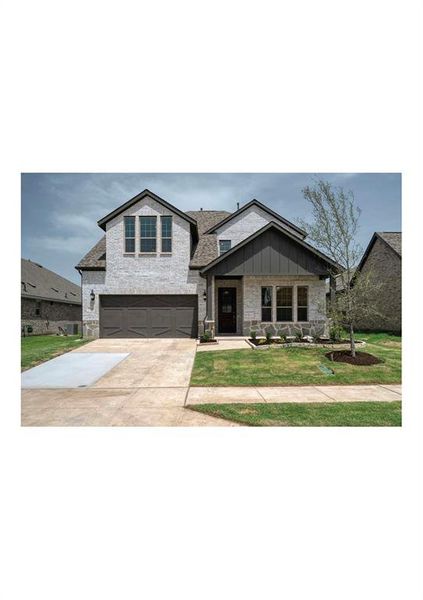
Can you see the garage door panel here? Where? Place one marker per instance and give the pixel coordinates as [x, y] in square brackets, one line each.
[165, 316]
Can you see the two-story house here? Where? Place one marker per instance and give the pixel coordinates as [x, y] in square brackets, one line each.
[162, 272]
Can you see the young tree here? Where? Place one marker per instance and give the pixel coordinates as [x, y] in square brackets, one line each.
[333, 229]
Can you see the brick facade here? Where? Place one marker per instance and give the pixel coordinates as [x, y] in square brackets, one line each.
[52, 315]
[140, 273]
[245, 224]
[385, 266]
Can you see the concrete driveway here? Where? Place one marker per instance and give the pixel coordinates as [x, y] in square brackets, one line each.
[146, 388]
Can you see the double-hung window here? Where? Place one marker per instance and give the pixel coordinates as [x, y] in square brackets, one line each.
[284, 297]
[224, 246]
[166, 227]
[129, 234]
[266, 304]
[302, 303]
[148, 234]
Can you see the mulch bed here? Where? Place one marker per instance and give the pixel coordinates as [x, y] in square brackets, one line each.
[361, 358]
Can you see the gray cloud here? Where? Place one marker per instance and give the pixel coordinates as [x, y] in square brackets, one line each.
[60, 211]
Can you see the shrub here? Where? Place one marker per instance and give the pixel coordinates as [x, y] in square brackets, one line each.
[299, 336]
[206, 337]
[253, 334]
[282, 335]
[268, 336]
[337, 332]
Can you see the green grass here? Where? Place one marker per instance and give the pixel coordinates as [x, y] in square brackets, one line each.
[39, 348]
[339, 414]
[297, 366]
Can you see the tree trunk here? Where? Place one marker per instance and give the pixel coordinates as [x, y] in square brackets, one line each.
[352, 340]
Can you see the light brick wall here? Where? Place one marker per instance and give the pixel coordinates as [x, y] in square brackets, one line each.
[317, 321]
[385, 266]
[142, 274]
[245, 224]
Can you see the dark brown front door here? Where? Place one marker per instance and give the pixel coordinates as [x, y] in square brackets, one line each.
[227, 310]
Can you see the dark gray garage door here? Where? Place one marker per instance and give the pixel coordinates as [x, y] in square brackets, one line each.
[167, 316]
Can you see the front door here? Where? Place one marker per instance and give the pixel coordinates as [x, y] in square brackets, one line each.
[227, 310]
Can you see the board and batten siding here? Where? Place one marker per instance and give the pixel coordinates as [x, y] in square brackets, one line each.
[271, 253]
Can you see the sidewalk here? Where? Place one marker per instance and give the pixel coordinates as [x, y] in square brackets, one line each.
[319, 393]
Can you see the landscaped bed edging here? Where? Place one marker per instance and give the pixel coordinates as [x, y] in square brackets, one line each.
[211, 343]
[332, 346]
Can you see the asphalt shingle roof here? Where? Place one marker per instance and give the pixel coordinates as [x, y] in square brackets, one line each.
[206, 249]
[39, 282]
[96, 257]
[393, 239]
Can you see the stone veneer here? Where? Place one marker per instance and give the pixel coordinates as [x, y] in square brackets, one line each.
[315, 326]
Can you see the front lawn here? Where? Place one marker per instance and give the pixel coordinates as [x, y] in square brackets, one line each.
[337, 414]
[297, 366]
[39, 348]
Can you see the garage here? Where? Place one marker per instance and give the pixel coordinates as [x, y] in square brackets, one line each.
[149, 316]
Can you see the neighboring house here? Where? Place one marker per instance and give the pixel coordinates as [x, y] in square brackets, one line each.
[161, 272]
[382, 260]
[48, 301]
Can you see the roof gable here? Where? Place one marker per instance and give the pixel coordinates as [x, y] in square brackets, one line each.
[273, 251]
[144, 194]
[266, 209]
[391, 238]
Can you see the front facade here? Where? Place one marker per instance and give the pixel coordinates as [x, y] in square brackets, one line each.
[49, 303]
[160, 272]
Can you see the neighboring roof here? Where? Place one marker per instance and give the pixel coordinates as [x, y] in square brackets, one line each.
[102, 222]
[41, 283]
[254, 202]
[95, 259]
[391, 238]
[206, 249]
[282, 230]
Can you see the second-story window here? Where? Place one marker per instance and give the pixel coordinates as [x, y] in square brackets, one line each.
[166, 223]
[129, 234]
[148, 234]
[224, 246]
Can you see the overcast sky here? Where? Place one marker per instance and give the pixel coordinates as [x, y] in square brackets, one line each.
[60, 211]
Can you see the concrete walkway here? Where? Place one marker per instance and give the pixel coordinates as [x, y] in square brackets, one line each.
[320, 393]
[150, 387]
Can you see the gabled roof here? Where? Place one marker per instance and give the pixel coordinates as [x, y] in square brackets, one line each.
[206, 249]
[282, 230]
[272, 213]
[391, 238]
[102, 222]
[37, 282]
[95, 259]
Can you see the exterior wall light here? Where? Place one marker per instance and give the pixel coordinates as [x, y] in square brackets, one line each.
[92, 296]
[204, 295]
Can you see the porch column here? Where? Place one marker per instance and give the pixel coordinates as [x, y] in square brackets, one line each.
[209, 324]
[209, 300]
